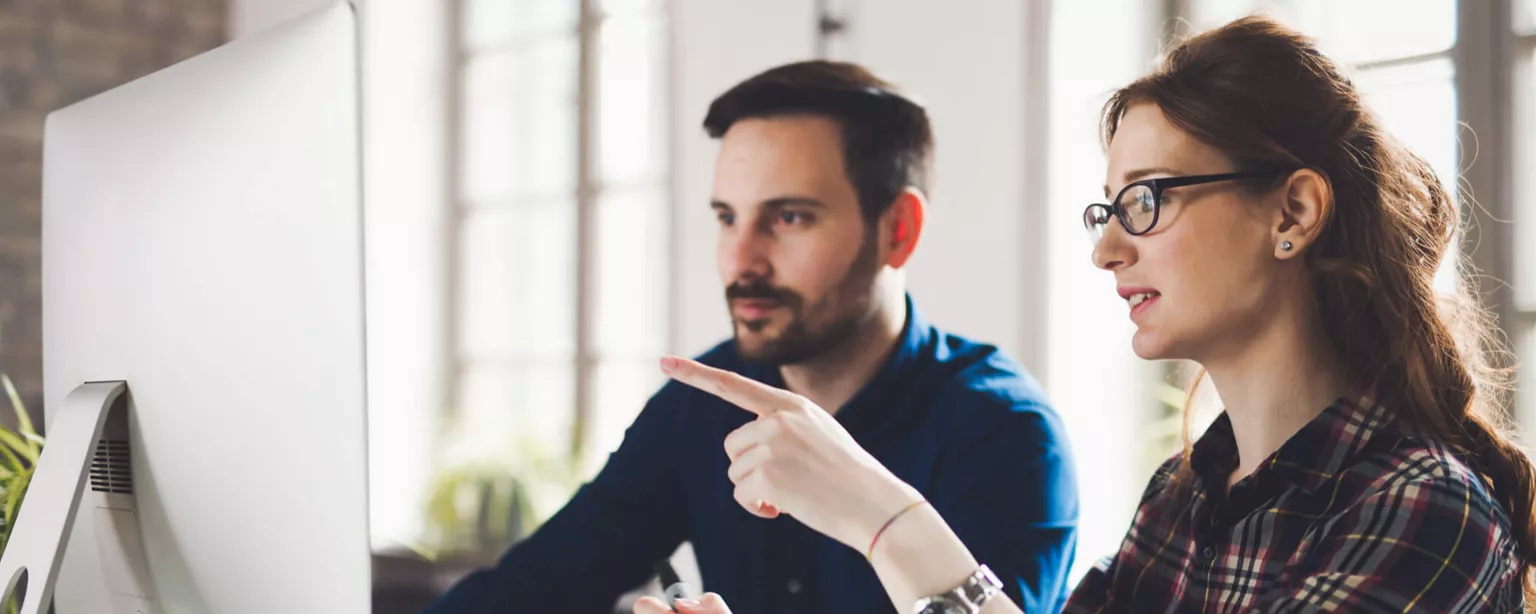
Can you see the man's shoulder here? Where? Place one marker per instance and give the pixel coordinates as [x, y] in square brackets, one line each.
[986, 378]
[989, 407]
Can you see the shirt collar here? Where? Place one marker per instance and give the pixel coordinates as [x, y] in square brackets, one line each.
[876, 399]
[1310, 458]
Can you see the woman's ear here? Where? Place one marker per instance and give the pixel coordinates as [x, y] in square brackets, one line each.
[1305, 209]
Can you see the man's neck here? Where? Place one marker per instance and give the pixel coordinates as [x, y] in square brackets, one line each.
[1273, 386]
[831, 379]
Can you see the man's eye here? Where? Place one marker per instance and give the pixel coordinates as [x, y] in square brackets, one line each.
[793, 217]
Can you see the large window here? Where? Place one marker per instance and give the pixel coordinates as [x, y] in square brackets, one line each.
[558, 267]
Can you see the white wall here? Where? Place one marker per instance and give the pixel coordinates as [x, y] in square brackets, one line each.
[970, 274]
[405, 79]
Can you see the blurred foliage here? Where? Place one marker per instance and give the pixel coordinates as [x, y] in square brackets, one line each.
[483, 501]
[19, 450]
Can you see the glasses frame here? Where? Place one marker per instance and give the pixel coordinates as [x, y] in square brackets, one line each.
[1157, 185]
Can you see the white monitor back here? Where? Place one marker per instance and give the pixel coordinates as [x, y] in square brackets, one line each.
[202, 241]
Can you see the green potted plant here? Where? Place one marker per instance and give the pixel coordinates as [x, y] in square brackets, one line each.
[476, 510]
[18, 458]
[490, 492]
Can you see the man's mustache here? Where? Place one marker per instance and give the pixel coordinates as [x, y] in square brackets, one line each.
[760, 290]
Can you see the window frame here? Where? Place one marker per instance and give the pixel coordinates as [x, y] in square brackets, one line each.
[1487, 56]
[590, 188]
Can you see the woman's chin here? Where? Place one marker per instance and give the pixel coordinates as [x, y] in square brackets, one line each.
[1149, 345]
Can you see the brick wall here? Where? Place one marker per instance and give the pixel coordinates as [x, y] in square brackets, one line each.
[53, 53]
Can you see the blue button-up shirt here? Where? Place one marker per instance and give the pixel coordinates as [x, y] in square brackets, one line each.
[959, 421]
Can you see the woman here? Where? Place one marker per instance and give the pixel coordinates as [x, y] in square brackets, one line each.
[1264, 226]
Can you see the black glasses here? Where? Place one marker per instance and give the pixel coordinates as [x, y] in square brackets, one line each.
[1140, 203]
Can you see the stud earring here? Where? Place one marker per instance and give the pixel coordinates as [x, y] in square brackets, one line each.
[1286, 245]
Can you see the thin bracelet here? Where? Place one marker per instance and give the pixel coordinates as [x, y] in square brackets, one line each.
[870, 556]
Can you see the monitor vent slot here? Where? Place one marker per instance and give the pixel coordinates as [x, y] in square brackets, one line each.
[111, 470]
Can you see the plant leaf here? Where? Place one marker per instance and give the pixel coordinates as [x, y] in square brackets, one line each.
[23, 420]
[15, 464]
[13, 503]
[15, 443]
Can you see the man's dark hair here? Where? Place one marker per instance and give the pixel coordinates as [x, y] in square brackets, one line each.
[887, 141]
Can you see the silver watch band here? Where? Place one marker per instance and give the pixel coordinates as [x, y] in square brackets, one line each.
[981, 586]
[969, 597]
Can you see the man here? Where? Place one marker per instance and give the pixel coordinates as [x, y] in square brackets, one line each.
[819, 194]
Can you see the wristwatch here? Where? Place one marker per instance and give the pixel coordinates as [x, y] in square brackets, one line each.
[964, 599]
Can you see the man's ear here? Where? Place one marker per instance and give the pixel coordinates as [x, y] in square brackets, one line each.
[1307, 205]
[902, 225]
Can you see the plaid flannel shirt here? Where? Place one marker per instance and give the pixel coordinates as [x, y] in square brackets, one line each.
[1351, 514]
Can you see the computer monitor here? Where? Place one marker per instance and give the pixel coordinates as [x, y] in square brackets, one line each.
[203, 259]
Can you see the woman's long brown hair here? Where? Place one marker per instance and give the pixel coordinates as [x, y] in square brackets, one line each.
[1262, 94]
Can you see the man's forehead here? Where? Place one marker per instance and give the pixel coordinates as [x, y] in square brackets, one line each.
[777, 158]
[794, 141]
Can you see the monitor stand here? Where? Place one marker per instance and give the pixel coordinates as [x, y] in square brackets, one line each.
[88, 437]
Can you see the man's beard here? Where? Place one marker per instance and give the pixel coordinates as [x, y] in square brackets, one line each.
[812, 330]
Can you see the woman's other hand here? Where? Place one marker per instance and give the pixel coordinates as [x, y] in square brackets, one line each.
[710, 603]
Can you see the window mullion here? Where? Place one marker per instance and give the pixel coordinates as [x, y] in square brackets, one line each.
[587, 189]
[1484, 58]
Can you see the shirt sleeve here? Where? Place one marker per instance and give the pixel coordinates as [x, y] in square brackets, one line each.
[1010, 494]
[604, 542]
[1433, 544]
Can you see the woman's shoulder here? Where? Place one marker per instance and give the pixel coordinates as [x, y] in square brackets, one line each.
[1422, 469]
[1417, 491]
[1415, 507]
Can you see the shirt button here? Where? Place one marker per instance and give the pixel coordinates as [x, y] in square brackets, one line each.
[793, 587]
[1207, 553]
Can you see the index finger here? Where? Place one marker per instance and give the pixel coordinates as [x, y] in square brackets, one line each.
[746, 393]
